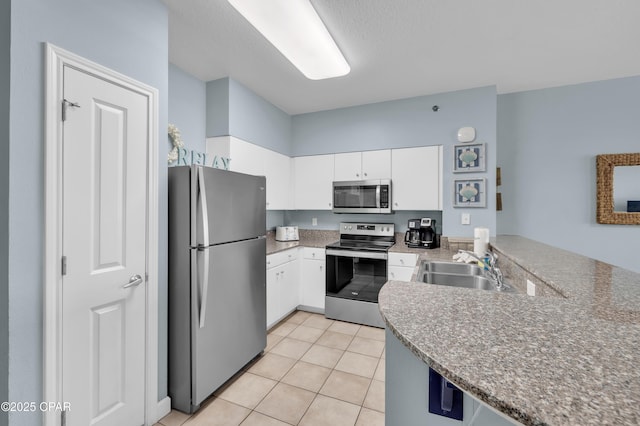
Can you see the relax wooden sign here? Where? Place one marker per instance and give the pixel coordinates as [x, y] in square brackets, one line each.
[187, 157]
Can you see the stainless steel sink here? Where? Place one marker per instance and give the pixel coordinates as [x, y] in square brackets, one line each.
[457, 275]
[457, 280]
[452, 268]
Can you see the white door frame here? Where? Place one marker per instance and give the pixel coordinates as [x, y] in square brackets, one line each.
[56, 59]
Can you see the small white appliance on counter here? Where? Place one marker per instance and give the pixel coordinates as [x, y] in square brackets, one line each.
[287, 233]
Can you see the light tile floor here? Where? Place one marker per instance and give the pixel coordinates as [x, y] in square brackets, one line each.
[314, 371]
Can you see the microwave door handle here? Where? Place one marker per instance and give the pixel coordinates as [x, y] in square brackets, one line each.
[377, 196]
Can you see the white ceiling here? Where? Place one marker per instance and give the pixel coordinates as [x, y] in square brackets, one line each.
[404, 48]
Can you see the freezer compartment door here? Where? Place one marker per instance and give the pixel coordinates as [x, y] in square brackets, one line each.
[232, 312]
[228, 206]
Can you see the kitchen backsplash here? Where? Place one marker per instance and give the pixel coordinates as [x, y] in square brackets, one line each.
[327, 220]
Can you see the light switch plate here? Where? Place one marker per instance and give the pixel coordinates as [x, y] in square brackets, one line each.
[465, 218]
[314, 221]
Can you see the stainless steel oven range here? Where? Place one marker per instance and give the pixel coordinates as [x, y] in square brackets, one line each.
[356, 271]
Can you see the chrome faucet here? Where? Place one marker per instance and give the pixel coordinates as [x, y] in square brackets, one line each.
[490, 259]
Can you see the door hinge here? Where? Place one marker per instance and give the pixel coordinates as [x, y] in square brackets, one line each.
[65, 105]
[63, 264]
[63, 418]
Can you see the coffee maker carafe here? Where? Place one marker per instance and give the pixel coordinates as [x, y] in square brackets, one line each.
[428, 237]
[413, 236]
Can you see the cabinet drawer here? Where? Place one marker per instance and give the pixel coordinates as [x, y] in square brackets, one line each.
[313, 253]
[399, 273]
[282, 257]
[402, 259]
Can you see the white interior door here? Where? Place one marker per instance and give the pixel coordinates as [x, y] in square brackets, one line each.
[104, 243]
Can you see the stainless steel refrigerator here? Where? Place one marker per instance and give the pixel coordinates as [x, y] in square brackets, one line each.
[217, 279]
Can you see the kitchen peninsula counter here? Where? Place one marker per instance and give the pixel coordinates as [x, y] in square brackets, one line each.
[566, 360]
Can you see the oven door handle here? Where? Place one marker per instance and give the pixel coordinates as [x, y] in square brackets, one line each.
[352, 253]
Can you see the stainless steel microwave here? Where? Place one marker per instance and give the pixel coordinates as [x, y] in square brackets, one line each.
[362, 196]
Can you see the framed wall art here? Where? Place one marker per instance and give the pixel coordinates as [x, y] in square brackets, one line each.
[470, 192]
[469, 158]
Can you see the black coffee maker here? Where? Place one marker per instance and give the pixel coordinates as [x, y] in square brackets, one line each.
[413, 236]
[428, 237]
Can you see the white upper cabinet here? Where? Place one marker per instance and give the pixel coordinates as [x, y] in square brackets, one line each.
[255, 160]
[416, 178]
[312, 180]
[277, 169]
[363, 165]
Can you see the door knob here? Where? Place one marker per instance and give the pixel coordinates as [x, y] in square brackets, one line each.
[134, 281]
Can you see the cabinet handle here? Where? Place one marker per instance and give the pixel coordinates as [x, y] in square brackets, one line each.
[329, 204]
[321, 267]
[395, 204]
[357, 174]
[313, 255]
[365, 175]
[402, 261]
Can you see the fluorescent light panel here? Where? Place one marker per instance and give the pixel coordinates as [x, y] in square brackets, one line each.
[296, 30]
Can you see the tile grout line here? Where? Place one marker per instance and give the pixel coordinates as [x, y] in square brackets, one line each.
[298, 360]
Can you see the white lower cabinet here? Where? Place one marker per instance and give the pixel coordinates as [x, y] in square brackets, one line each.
[312, 279]
[400, 266]
[283, 295]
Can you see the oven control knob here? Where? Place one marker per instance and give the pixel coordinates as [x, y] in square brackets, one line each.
[349, 227]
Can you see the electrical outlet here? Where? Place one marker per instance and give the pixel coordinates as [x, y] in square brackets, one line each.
[531, 288]
[314, 221]
[466, 218]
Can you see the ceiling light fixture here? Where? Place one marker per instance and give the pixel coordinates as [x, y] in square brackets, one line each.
[296, 30]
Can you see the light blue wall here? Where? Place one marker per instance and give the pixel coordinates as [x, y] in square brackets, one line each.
[187, 107]
[218, 107]
[548, 140]
[409, 123]
[331, 221]
[394, 124]
[5, 44]
[129, 37]
[255, 120]
[250, 117]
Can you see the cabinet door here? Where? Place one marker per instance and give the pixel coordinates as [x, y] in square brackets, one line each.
[313, 176]
[273, 296]
[348, 166]
[290, 291]
[246, 157]
[399, 273]
[376, 164]
[312, 284]
[277, 168]
[416, 175]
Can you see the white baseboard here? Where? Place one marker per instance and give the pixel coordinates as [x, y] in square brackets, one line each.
[164, 408]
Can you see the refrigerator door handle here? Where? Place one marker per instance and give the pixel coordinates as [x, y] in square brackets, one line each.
[204, 286]
[205, 241]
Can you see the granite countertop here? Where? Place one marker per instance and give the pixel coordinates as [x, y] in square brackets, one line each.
[568, 360]
[308, 238]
